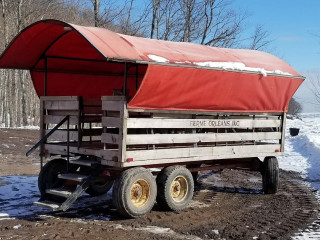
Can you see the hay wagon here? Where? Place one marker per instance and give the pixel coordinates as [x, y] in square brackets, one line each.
[114, 108]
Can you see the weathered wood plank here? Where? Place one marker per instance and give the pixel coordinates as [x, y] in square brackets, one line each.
[113, 98]
[283, 136]
[61, 135]
[110, 163]
[199, 137]
[59, 98]
[113, 105]
[110, 154]
[200, 123]
[110, 138]
[201, 159]
[62, 149]
[57, 119]
[61, 105]
[63, 112]
[112, 122]
[140, 155]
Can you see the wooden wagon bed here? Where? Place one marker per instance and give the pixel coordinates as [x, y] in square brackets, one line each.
[123, 138]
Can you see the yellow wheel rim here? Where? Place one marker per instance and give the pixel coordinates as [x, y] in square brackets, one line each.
[140, 193]
[179, 188]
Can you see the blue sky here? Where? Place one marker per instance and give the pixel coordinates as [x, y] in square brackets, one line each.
[293, 25]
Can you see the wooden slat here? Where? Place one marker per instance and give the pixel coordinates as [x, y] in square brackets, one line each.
[63, 112]
[57, 119]
[142, 155]
[113, 105]
[200, 123]
[201, 159]
[61, 135]
[109, 154]
[110, 138]
[61, 105]
[62, 149]
[113, 98]
[283, 126]
[61, 98]
[199, 137]
[112, 122]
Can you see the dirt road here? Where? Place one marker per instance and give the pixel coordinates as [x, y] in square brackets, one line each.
[227, 205]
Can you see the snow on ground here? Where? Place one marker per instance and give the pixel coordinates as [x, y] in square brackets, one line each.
[302, 152]
[24, 127]
[17, 194]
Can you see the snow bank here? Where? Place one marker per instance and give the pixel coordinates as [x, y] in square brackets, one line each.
[302, 152]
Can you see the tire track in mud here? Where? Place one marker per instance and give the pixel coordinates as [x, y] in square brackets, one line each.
[227, 205]
[230, 205]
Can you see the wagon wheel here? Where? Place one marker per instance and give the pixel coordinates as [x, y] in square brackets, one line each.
[195, 175]
[48, 179]
[175, 188]
[270, 175]
[134, 192]
[98, 186]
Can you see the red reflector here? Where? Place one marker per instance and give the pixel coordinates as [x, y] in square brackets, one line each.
[129, 159]
[277, 150]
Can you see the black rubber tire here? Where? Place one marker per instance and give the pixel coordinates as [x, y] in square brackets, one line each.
[48, 178]
[122, 191]
[97, 189]
[270, 175]
[195, 175]
[164, 181]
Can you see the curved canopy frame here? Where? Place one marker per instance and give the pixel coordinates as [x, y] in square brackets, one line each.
[66, 59]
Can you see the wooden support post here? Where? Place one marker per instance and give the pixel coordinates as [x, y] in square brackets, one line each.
[283, 130]
[42, 132]
[45, 76]
[137, 76]
[125, 79]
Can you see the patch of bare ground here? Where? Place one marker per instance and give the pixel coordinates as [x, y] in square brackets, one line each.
[227, 205]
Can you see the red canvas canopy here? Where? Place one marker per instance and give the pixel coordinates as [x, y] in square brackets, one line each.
[91, 62]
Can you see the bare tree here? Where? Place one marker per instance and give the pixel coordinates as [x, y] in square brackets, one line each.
[294, 107]
[260, 39]
[314, 81]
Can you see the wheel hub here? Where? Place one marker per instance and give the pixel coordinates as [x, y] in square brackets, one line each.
[179, 188]
[140, 193]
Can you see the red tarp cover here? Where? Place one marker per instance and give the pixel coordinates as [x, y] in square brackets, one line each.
[240, 80]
